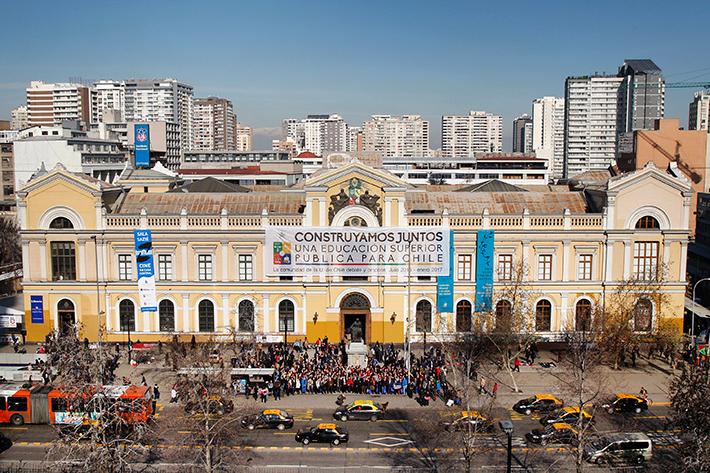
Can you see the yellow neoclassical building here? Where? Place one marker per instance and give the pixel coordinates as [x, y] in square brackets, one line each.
[211, 264]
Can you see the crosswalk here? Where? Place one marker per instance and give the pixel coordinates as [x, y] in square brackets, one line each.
[664, 439]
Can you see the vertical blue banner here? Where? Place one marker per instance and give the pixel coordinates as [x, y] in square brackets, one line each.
[484, 270]
[143, 240]
[37, 309]
[445, 284]
[141, 142]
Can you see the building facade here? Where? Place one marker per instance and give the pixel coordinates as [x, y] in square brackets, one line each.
[465, 135]
[548, 114]
[591, 119]
[318, 134]
[522, 134]
[214, 125]
[108, 95]
[210, 256]
[244, 137]
[406, 135]
[7, 169]
[699, 111]
[641, 98]
[18, 118]
[51, 104]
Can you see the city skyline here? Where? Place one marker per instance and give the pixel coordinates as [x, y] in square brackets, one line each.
[491, 71]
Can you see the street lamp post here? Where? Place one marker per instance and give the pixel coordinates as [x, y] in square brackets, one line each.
[507, 427]
[692, 327]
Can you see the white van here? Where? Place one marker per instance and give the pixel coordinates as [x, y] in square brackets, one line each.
[634, 448]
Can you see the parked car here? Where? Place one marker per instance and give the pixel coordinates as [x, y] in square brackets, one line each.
[554, 433]
[543, 403]
[361, 410]
[568, 415]
[626, 403]
[323, 433]
[473, 420]
[268, 419]
[634, 448]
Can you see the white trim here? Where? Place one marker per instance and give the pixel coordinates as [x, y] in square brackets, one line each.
[347, 291]
[552, 313]
[61, 211]
[56, 311]
[652, 211]
[355, 211]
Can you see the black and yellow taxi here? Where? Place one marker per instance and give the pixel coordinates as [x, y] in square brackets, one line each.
[542, 403]
[626, 403]
[361, 410]
[323, 433]
[568, 415]
[559, 432]
[268, 419]
[470, 421]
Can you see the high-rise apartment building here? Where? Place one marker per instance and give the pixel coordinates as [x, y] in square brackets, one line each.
[522, 134]
[108, 95]
[18, 118]
[51, 104]
[406, 135]
[214, 125]
[318, 134]
[699, 112]
[161, 100]
[548, 116]
[591, 118]
[244, 137]
[7, 169]
[355, 142]
[465, 135]
[641, 99]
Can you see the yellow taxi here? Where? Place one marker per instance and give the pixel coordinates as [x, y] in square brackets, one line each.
[472, 421]
[538, 403]
[569, 415]
[361, 410]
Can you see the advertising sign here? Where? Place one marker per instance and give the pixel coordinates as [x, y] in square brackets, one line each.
[141, 144]
[143, 240]
[8, 321]
[484, 270]
[37, 309]
[445, 284]
[357, 251]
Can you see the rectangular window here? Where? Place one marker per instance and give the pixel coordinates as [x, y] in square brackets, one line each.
[465, 265]
[584, 271]
[246, 268]
[17, 404]
[165, 267]
[544, 267]
[63, 261]
[125, 267]
[204, 267]
[645, 260]
[505, 267]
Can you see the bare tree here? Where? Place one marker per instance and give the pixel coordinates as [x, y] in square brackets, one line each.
[10, 253]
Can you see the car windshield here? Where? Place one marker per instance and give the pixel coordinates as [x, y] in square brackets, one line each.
[529, 400]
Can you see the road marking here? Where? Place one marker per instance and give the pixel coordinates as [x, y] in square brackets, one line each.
[650, 417]
[282, 433]
[661, 403]
[15, 428]
[393, 420]
[388, 433]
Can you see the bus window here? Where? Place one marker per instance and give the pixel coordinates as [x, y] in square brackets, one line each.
[2, 403]
[59, 404]
[17, 404]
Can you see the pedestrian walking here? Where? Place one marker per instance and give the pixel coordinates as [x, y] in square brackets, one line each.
[173, 395]
[482, 387]
[633, 358]
[143, 381]
[494, 391]
[156, 391]
[516, 364]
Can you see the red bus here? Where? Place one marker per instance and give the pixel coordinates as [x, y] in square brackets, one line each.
[42, 404]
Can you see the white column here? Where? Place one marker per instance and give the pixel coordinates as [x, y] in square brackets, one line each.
[186, 313]
[266, 315]
[564, 315]
[26, 274]
[225, 260]
[388, 211]
[627, 259]
[683, 260]
[225, 312]
[101, 252]
[667, 253]
[184, 265]
[609, 253]
[565, 260]
[107, 314]
[323, 205]
[525, 258]
[43, 260]
[308, 212]
[82, 260]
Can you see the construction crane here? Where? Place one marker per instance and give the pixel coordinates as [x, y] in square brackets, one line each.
[688, 85]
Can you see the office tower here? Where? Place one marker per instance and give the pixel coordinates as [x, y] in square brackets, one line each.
[161, 100]
[244, 137]
[355, 142]
[18, 118]
[318, 134]
[108, 95]
[406, 135]
[548, 116]
[522, 134]
[591, 105]
[465, 135]
[51, 104]
[214, 125]
[699, 111]
[641, 95]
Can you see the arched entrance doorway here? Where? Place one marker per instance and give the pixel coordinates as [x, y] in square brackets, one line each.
[355, 313]
[66, 316]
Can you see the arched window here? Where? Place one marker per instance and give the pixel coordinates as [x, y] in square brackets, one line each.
[166, 314]
[647, 223]
[583, 315]
[61, 223]
[504, 315]
[463, 316]
[355, 301]
[643, 315]
[423, 316]
[355, 221]
[127, 315]
[286, 316]
[66, 316]
[543, 316]
[246, 316]
[205, 312]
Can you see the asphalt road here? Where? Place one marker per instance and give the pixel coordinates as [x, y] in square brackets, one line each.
[387, 442]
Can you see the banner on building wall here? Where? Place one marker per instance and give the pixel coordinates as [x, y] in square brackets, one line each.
[484, 270]
[143, 240]
[141, 142]
[37, 309]
[356, 251]
[445, 284]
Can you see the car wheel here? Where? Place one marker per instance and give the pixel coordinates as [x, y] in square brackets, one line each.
[251, 426]
[17, 419]
[305, 441]
[281, 427]
[639, 460]
[638, 410]
[373, 418]
[528, 412]
[344, 418]
[336, 442]
[599, 461]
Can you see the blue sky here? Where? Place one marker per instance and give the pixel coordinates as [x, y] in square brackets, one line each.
[278, 59]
